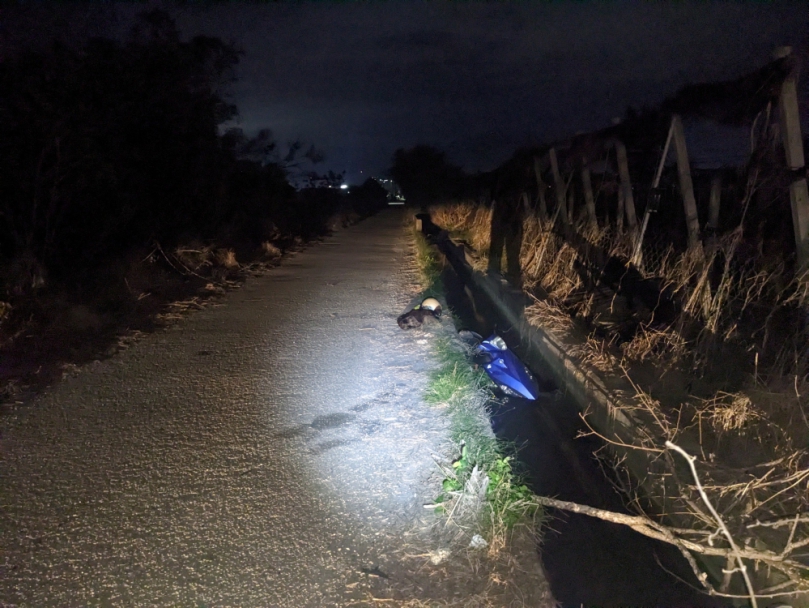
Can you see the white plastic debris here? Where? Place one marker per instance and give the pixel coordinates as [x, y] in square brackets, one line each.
[436, 557]
[478, 542]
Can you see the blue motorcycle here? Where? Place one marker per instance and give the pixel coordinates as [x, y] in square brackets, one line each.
[504, 368]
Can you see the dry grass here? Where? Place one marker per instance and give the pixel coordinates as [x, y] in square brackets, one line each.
[466, 221]
[204, 262]
[547, 261]
[664, 346]
[543, 313]
[454, 217]
[195, 257]
[596, 353]
[226, 258]
[715, 289]
[730, 411]
[751, 440]
[270, 251]
[176, 311]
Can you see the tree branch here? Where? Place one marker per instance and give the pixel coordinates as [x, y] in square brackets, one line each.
[742, 567]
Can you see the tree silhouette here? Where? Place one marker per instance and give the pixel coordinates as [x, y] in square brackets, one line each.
[114, 145]
[424, 175]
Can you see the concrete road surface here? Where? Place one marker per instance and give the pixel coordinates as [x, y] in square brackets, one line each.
[268, 451]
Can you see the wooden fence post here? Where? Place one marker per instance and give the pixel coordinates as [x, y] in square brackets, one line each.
[587, 186]
[713, 209]
[626, 185]
[686, 185]
[559, 186]
[571, 205]
[793, 146]
[619, 216]
[543, 205]
[713, 206]
[653, 201]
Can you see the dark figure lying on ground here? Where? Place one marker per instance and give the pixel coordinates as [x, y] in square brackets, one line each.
[428, 309]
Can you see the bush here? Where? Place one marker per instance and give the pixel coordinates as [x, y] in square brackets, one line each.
[114, 146]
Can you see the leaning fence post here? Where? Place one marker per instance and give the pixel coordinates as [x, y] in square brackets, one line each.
[587, 186]
[713, 205]
[713, 210]
[626, 185]
[559, 186]
[619, 215]
[653, 202]
[686, 185]
[543, 206]
[793, 146]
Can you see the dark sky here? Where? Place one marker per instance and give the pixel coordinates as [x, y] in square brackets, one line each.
[475, 79]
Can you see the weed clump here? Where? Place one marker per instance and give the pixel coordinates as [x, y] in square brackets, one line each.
[429, 266]
[480, 491]
[487, 518]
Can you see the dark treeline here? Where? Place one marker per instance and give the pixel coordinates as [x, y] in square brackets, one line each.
[115, 146]
[426, 176]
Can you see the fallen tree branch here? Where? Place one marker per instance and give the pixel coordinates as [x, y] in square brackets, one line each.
[652, 529]
[742, 566]
[610, 441]
[658, 531]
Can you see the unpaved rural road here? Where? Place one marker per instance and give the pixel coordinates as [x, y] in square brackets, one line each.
[269, 451]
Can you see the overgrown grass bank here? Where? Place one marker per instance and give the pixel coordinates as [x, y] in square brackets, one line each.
[723, 371]
[481, 494]
[429, 266]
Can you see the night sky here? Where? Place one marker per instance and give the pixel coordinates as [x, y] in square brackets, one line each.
[477, 80]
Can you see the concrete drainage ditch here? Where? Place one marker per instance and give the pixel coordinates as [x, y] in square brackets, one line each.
[588, 561]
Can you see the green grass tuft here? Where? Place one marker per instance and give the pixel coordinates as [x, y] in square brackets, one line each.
[429, 265]
[461, 388]
[449, 383]
[511, 500]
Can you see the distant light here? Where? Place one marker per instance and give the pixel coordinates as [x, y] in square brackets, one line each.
[344, 187]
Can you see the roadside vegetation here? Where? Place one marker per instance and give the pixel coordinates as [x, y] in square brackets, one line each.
[429, 266]
[484, 508]
[125, 200]
[680, 293]
[482, 469]
[720, 376]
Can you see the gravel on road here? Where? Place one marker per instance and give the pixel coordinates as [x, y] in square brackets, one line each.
[272, 450]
